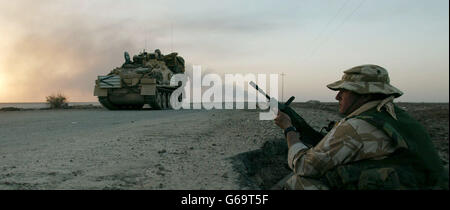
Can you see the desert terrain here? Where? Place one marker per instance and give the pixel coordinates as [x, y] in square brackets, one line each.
[93, 148]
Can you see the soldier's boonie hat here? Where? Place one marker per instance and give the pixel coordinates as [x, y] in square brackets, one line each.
[366, 79]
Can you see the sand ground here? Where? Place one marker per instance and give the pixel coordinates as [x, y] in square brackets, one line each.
[150, 149]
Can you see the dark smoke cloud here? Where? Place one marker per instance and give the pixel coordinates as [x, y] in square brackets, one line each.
[52, 56]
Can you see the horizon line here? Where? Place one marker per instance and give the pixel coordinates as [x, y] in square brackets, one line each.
[224, 102]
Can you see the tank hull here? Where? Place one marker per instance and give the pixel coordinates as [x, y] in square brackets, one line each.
[117, 100]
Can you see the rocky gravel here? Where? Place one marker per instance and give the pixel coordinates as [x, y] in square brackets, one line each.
[94, 148]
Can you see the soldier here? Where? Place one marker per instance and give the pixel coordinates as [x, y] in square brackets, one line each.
[128, 63]
[126, 55]
[376, 146]
[158, 54]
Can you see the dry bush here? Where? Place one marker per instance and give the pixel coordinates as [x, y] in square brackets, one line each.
[57, 101]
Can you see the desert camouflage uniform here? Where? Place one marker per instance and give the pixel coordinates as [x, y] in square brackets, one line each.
[351, 139]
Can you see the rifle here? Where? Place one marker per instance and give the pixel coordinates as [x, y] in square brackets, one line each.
[308, 135]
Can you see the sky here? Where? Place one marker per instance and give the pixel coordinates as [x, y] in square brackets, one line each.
[49, 47]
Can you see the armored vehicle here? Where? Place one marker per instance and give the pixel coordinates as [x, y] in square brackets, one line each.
[143, 80]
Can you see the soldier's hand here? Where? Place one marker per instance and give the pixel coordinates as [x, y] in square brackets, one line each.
[283, 120]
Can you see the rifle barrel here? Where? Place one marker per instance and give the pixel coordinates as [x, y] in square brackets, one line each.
[261, 91]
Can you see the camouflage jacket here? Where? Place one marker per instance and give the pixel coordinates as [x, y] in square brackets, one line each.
[350, 140]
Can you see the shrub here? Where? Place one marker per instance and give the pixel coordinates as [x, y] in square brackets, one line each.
[57, 101]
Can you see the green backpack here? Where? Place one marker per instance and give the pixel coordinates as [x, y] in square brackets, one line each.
[417, 167]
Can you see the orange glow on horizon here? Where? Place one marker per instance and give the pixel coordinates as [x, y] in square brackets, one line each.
[3, 85]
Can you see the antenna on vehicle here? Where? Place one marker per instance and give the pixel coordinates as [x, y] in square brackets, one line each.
[146, 39]
[171, 37]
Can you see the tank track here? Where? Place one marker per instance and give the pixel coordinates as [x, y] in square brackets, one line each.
[111, 106]
[161, 99]
[107, 104]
